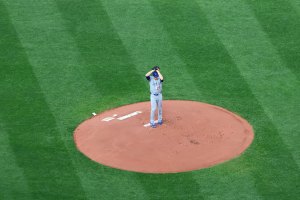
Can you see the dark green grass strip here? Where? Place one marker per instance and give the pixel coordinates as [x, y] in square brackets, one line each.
[204, 55]
[147, 43]
[10, 171]
[32, 131]
[272, 83]
[103, 51]
[171, 186]
[272, 167]
[281, 23]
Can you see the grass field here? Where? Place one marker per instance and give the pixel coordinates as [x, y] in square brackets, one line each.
[61, 60]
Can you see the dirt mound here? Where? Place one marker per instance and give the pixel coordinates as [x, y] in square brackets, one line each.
[194, 135]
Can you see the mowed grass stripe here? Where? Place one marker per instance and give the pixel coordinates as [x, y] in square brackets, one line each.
[103, 51]
[212, 70]
[145, 40]
[13, 184]
[148, 45]
[117, 79]
[72, 95]
[276, 172]
[30, 126]
[281, 23]
[55, 58]
[68, 88]
[171, 186]
[274, 85]
[296, 5]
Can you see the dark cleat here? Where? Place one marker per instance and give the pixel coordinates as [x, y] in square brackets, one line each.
[153, 125]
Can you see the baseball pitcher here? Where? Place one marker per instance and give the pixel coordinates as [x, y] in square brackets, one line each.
[155, 81]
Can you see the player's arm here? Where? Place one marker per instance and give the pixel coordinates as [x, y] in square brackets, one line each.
[160, 76]
[148, 75]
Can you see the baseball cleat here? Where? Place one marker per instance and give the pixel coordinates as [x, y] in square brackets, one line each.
[153, 125]
[160, 122]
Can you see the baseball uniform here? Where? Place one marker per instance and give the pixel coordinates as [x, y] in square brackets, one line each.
[155, 97]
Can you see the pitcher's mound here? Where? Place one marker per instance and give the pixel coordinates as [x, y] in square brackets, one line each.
[194, 135]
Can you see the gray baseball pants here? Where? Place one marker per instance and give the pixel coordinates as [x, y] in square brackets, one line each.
[156, 102]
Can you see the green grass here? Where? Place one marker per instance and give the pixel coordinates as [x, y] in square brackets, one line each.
[61, 60]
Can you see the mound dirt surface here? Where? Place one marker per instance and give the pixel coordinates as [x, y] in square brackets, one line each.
[194, 135]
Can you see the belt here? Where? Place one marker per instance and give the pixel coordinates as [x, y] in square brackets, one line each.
[156, 94]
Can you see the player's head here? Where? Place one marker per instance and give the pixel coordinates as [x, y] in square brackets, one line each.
[155, 74]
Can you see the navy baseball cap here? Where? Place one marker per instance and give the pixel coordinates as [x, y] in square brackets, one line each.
[155, 74]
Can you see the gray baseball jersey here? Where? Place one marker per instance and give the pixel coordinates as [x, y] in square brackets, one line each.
[155, 85]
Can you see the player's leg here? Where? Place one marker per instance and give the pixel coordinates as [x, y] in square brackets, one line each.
[160, 120]
[153, 108]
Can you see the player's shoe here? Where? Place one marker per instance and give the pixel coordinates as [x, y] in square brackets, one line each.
[153, 125]
[160, 122]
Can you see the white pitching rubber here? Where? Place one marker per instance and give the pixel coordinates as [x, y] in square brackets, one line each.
[129, 115]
